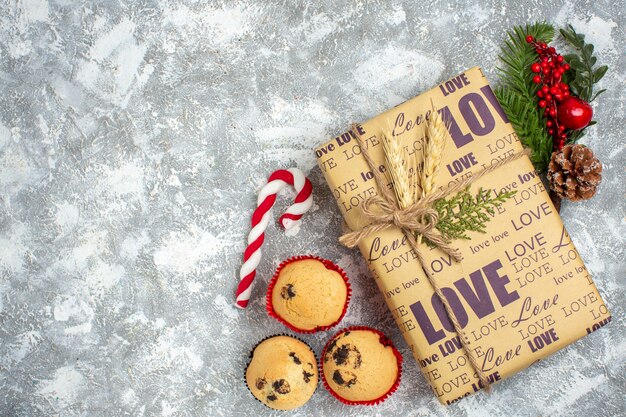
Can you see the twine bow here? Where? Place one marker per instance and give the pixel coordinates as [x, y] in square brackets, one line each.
[420, 218]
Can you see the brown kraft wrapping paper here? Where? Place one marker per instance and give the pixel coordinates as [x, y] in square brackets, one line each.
[521, 292]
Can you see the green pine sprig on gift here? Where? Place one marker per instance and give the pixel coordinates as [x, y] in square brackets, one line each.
[582, 76]
[517, 93]
[465, 212]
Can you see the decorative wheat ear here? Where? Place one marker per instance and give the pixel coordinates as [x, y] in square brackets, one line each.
[432, 152]
[436, 135]
[398, 169]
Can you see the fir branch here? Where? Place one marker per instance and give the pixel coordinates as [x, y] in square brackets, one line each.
[517, 55]
[463, 212]
[518, 92]
[528, 121]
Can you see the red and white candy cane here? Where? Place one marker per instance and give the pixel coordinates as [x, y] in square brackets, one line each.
[261, 218]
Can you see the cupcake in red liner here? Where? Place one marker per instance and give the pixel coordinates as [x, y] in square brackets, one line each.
[360, 366]
[308, 294]
[282, 373]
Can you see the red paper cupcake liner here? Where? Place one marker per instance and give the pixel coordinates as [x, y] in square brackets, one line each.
[329, 265]
[385, 341]
[250, 355]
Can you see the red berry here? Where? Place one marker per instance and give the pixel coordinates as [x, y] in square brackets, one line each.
[566, 66]
[536, 79]
[552, 112]
[551, 50]
[545, 89]
[558, 97]
[546, 71]
[566, 94]
[540, 94]
[535, 67]
[529, 39]
[542, 103]
[548, 97]
[554, 90]
[550, 131]
[559, 58]
[549, 123]
[574, 113]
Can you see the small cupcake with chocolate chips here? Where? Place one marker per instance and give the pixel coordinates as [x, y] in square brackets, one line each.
[308, 294]
[282, 373]
[360, 366]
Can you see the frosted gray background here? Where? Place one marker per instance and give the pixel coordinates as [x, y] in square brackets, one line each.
[134, 136]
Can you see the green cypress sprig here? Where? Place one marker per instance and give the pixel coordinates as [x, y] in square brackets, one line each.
[464, 212]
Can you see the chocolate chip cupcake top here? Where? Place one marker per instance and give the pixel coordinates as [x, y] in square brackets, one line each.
[360, 366]
[308, 294]
[282, 373]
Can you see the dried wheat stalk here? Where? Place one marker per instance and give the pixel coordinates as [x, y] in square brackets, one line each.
[413, 179]
[398, 170]
[436, 135]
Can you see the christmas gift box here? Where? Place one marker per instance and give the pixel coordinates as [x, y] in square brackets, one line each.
[520, 291]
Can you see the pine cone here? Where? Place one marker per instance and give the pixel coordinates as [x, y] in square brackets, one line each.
[574, 172]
